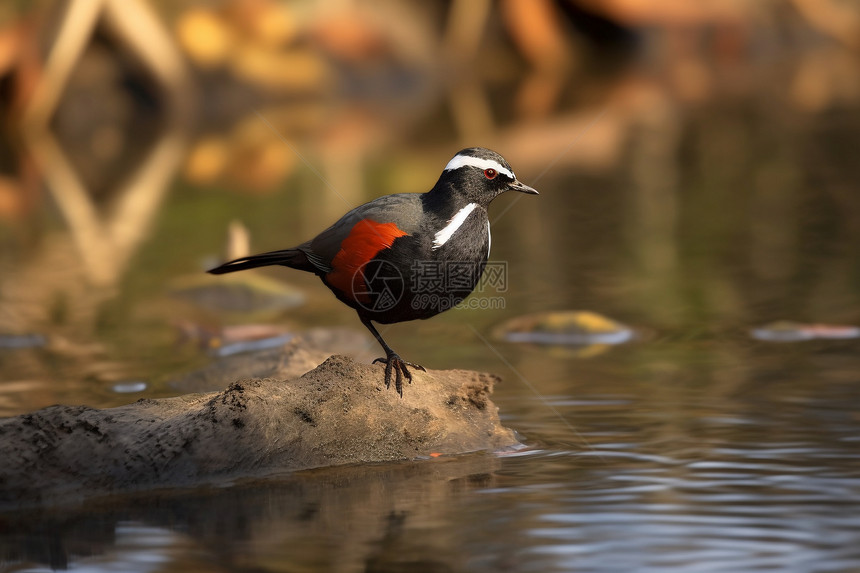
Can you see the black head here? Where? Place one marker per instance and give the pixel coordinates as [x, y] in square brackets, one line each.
[480, 175]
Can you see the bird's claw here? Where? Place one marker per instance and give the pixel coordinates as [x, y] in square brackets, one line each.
[397, 366]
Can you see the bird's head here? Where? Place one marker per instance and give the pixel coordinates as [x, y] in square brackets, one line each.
[481, 175]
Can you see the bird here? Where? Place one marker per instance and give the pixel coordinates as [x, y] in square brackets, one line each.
[380, 257]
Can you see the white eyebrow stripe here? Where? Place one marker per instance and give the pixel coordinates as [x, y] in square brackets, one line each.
[469, 161]
[455, 223]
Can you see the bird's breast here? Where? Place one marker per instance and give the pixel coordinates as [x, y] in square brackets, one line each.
[464, 236]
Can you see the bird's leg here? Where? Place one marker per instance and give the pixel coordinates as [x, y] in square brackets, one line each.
[393, 363]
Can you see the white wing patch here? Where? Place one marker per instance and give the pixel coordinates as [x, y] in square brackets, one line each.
[468, 161]
[455, 223]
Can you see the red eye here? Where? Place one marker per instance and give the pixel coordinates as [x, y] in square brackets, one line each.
[490, 173]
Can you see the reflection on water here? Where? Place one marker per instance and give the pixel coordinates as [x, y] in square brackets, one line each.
[341, 520]
[699, 180]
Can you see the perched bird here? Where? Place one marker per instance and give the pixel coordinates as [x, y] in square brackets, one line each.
[379, 257]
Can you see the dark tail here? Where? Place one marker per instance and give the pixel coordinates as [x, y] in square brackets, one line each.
[288, 258]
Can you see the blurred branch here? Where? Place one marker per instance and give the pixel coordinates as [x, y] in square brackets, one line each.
[833, 18]
[106, 241]
[77, 28]
[134, 24]
[465, 28]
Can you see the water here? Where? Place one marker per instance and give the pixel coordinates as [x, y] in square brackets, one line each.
[696, 448]
[693, 216]
[754, 471]
[751, 477]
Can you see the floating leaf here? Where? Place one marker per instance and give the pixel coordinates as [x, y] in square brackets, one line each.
[789, 331]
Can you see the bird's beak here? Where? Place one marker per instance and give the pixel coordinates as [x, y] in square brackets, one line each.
[522, 188]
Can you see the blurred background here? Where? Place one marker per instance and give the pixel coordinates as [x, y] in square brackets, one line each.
[697, 163]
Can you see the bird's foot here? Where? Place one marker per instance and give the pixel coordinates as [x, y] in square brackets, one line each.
[394, 365]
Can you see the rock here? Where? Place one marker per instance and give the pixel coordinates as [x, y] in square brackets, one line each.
[304, 352]
[338, 413]
[564, 327]
[566, 333]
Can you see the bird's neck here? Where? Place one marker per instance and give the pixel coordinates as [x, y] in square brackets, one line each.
[446, 200]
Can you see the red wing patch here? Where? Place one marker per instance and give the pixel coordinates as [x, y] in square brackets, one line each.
[365, 240]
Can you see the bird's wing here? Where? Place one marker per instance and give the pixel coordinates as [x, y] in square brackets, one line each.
[369, 228]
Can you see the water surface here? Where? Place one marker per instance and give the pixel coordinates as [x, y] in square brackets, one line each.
[695, 219]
